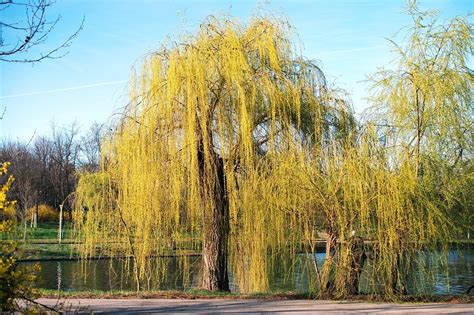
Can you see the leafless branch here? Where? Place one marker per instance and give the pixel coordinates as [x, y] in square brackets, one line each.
[33, 30]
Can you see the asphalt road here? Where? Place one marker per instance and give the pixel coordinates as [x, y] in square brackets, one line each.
[134, 306]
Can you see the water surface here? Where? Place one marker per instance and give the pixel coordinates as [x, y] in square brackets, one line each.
[114, 274]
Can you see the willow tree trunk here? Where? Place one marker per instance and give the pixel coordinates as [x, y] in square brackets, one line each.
[326, 285]
[357, 265]
[215, 223]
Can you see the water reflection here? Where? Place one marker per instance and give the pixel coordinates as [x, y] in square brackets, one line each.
[115, 274]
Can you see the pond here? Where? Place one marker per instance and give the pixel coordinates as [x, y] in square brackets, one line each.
[111, 274]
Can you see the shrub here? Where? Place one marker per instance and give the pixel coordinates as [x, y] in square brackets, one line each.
[15, 281]
[45, 213]
[8, 213]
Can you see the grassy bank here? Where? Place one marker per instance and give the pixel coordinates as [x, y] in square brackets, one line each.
[170, 294]
[202, 294]
[42, 243]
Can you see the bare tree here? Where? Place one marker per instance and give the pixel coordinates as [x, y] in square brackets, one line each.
[45, 169]
[91, 148]
[42, 149]
[19, 37]
[25, 170]
[64, 158]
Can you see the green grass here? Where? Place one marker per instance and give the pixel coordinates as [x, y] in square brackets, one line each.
[279, 295]
[42, 242]
[45, 231]
[31, 251]
[170, 294]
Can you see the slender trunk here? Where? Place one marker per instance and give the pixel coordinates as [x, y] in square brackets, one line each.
[24, 231]
[35, 224]
[215, 223]
[326, 283]
[419, 122]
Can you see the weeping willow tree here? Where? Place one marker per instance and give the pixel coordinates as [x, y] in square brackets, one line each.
[211, 119]
[377, 219]
[233, 145]
[391, 197]
[426, 107]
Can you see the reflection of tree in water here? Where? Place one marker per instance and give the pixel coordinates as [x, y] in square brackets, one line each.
[117, 274]
[59, 275]
[461, 270]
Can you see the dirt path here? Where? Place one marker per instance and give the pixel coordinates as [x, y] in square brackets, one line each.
[134, 306]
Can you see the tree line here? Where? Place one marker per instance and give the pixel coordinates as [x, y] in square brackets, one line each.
[45, 169]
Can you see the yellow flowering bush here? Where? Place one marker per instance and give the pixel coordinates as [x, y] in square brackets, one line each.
[15, 281]
[45, 213]
[6, 207]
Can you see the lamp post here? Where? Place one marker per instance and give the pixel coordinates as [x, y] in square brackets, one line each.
[60, 234]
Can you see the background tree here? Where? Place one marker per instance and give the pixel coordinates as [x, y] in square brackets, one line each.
[90, 148]
[426, 102]
[42, 150]
[44, 168]
[65, 151]
[25, 186]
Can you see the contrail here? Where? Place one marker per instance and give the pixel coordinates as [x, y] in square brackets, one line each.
[345, 51]
[72, 88]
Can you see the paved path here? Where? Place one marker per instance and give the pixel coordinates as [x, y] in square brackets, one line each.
[134, 306]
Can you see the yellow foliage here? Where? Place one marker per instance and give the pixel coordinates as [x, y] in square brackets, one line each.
[8, 213]
[7, 208]
[236, 99]
[233, 94]
[16, 282]
[45, 213]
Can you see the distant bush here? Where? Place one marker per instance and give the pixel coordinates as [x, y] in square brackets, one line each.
[45, 213]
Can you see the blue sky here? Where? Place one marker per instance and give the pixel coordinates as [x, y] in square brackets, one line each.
[90, 83]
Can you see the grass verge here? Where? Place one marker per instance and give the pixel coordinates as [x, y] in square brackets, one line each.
[270, 296]
[170, 294]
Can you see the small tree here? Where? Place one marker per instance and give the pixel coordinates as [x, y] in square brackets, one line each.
[426, 102]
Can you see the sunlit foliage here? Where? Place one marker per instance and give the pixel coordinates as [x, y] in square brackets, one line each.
[233, 145]
[425, 106]
[209, 119]
[427, 98]
[45, 213]
[15, 281]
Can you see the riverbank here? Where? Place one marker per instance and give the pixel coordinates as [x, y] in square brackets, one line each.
[131, 306]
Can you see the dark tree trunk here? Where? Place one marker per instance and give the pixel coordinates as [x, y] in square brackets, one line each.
[215, 223]
[358, 260]
[399, 280]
